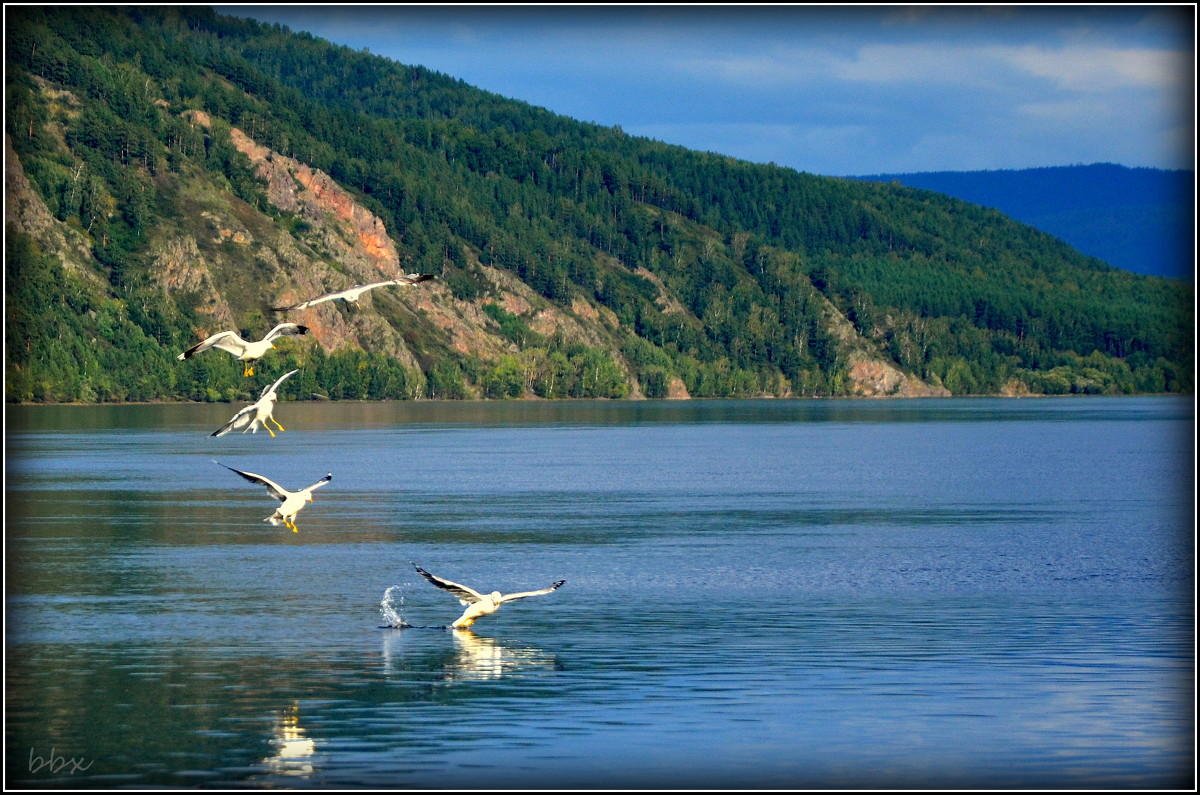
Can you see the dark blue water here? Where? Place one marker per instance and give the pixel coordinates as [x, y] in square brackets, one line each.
[772, 594]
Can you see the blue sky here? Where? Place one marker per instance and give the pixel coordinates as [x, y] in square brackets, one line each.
[835, 90]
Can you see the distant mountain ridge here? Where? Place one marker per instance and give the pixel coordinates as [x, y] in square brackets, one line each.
[1138, 219]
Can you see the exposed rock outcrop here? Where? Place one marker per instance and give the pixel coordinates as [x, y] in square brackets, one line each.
[870, 374]
[25, 212]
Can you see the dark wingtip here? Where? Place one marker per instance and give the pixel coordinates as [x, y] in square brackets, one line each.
[301, 329]
[560, 582]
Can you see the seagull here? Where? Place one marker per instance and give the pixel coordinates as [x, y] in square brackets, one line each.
[292, 501]
[478, 604]
[354, 293]
[256, 414]
[247, 352]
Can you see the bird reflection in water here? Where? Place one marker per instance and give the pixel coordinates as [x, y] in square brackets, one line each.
[474, 657]
[293, 748]
[485, 658]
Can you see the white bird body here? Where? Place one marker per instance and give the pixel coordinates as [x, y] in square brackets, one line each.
[352, 294]
[246, 352]
[478, 604]
[290, 501]
[256, 414]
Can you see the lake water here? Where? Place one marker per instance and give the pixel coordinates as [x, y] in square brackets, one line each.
[759, 594]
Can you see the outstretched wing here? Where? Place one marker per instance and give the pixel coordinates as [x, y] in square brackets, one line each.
[523, 594]
[225, 340]
[275, 385]
[328, 477]
[277, 491]
[239, 420]
[465, 595]
[371, 286]
[305, 304]
[286, 328]
[411, 278]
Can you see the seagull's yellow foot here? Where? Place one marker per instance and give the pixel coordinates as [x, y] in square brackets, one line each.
[249, 370]
[268, 427]
[277, 425]
[295, 529]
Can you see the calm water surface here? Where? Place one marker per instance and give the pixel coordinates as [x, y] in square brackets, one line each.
[774, 594]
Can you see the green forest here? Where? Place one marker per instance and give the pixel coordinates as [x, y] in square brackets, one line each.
[718, 274]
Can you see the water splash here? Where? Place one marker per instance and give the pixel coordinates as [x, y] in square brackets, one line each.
[391, 607]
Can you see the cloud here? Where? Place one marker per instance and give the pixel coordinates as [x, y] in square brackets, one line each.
[758, 70]
[926, 64]
[1083, 68]
[1066, 67]
[1069, 111]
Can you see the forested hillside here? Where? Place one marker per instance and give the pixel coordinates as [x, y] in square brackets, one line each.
[1139, 219]
[172, 172]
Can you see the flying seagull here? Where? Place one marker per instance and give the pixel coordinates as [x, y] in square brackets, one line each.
[247, 352]
[292, 501]
[478, 604]
[354, 293]
[256, 414]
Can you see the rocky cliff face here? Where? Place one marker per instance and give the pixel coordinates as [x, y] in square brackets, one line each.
[25, 211]
[870, 374]
[359, 250]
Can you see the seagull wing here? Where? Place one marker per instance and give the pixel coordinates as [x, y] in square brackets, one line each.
[232, 344]
[321, 482]
[286, 328]
[275, 385]
[372, 285]
[277, 491]
[523, 594]
[238, 421]
[290, 307]
[320, 299]
[221, 340]
[411, 278]
[352, 294]
[355, 292]
[465, 595]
